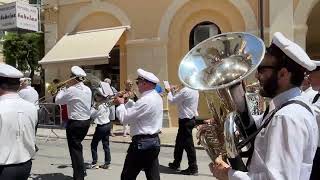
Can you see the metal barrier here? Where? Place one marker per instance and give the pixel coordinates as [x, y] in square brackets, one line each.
[50, 116]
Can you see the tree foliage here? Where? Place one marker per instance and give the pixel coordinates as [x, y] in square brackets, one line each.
[23, 51]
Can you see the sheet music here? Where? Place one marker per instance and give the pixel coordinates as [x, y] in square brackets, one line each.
[166, 84]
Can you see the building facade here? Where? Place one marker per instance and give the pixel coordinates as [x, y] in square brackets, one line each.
[159, 33]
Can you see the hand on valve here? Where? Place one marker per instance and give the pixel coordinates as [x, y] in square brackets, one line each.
[119, 100]
[219, 169]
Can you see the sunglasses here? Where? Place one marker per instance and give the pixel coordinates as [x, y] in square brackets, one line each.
[138, 80]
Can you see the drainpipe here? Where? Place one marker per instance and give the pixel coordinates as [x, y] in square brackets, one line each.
[261, 27]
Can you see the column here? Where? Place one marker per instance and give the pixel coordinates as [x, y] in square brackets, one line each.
[300, 35]
[281, 18]
[150, 55]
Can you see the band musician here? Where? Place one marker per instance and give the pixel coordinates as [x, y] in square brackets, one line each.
[187, 101]
[17, 127]
[145, 120]
[129, 96]
[77, 97]
[312, 94]
[286, 142]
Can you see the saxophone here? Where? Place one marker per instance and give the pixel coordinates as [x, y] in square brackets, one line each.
[221, 65]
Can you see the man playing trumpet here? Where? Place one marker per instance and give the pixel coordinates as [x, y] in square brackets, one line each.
[187, 101]
[100, 114]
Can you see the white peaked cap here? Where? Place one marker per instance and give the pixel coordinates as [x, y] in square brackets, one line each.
[100, 92]
[9, 71]
[78, 71]
[107, 80]
[292, 50]
[316, 61]
[106, 89]
[148, 76]
[25, 79]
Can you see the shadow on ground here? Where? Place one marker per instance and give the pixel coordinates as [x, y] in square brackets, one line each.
[166, 170]
[52, 176]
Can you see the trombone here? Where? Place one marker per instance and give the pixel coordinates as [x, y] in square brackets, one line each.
[53, 89]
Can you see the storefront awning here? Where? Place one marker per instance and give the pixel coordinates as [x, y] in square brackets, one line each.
[84, 45]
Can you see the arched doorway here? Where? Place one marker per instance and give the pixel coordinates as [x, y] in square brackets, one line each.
[313, 33]
[202, 31]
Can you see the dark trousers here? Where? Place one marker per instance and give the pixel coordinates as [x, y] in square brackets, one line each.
[102, 133]
[184, 141]
[16, 171]
[315, 173]
[137, 160]
[76, 132]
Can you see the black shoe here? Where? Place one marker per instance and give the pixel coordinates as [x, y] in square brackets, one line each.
[106, 166]
[190, 171]
[92, 166]
[174, 167]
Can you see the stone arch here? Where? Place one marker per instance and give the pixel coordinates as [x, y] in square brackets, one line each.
[303, 11]
[243, 6]
[301, 15]
[98, 7]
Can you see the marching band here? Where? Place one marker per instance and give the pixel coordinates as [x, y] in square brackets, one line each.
[285, 142]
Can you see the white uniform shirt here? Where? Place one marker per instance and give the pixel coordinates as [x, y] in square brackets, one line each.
[310, 94]
[286, 147]
[106, 88]
[145, 116]
[29, 94]
[78, 101]
[187, 102]
[18, 119]
[100, 115]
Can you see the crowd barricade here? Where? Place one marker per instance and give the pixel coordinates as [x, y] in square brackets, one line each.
[50, 117]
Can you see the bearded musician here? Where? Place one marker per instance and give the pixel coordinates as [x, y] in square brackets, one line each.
[286, 143]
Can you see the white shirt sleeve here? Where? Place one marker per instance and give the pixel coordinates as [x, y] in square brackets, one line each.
[128, 115]
[63, 96]
[94, 112]
[177, 98]
[286, 139]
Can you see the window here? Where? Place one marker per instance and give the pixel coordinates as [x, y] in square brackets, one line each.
[202, 31]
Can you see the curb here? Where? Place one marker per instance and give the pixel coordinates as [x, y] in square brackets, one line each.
[119, 141]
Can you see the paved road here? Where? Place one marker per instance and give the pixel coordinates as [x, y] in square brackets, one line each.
[52, 162]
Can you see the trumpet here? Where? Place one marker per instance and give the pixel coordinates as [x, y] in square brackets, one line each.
[110, 100]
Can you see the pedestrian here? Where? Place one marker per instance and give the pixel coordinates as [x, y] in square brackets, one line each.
[186, 100]
[77, 97]
[100, 114]
[17, 127]
[312, 93]
[145, 120]
[287, 135]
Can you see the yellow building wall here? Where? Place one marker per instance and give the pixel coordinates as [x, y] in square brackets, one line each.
[98, 20]
[178, 42]
[141, 46]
